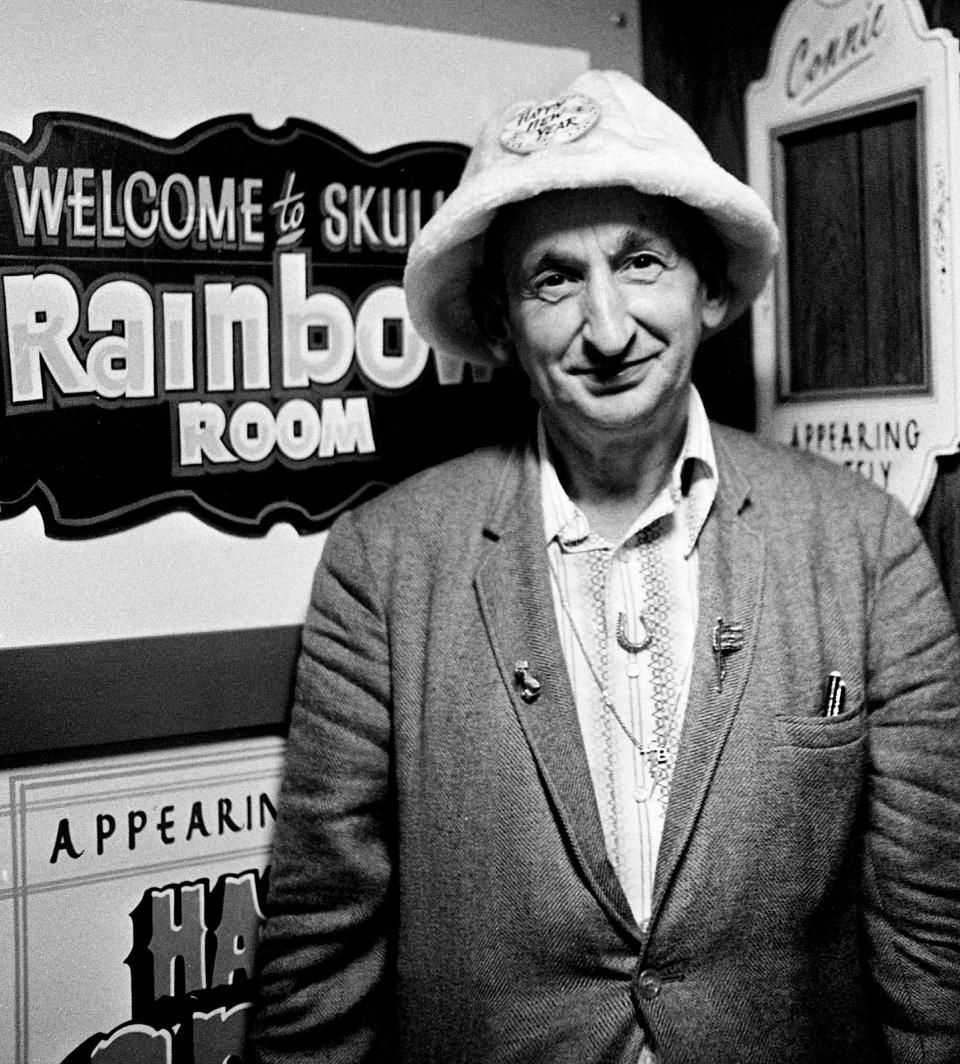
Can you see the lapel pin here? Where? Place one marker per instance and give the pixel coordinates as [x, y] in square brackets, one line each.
[528, 684]
[727, 638]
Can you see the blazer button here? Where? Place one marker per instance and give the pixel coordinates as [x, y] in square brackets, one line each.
[649, 984]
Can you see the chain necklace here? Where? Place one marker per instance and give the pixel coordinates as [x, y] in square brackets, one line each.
[658, 752]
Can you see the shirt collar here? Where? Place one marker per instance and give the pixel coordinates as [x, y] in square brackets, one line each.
[689, 493]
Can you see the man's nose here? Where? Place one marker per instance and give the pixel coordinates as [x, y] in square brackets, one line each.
[608, 326]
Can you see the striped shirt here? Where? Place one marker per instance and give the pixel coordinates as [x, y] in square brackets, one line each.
[627, 614]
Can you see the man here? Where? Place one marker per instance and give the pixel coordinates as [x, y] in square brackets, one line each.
[569, 779]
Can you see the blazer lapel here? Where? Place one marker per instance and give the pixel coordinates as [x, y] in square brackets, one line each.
[731, 585]
[516, 605]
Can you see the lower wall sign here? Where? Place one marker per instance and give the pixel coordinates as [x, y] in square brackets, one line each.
[131, 895]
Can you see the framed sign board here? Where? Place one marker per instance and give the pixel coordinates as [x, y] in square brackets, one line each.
[131, 897]
[204, 349]
[853, 138]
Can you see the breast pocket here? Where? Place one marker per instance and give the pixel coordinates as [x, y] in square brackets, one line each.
[822, 733]
[811, 786]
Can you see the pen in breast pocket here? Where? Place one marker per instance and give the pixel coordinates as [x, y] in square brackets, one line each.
[836, 694]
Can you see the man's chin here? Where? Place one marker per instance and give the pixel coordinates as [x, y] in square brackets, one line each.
[635, 416]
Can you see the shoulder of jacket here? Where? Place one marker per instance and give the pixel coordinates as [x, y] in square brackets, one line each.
[786, 476]
[449, 492]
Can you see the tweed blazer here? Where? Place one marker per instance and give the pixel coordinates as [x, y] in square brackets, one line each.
[440, 890]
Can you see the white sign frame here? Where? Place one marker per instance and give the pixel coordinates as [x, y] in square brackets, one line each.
[831, 60]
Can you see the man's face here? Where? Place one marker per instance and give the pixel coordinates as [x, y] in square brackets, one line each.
[603, 312]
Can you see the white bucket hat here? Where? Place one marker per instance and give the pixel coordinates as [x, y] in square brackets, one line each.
[604, 130]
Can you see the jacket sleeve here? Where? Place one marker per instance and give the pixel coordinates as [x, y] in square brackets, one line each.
[911, 855]
[323, 951]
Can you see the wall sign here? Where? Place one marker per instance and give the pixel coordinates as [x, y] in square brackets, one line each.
[215, 323]
[165, 856]
[853, 137]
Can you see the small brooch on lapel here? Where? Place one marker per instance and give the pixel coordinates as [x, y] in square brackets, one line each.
[528, 684]
[727, 638]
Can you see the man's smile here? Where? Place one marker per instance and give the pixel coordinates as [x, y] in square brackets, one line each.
[611, 372]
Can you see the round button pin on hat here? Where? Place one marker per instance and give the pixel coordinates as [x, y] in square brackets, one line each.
[556, 121]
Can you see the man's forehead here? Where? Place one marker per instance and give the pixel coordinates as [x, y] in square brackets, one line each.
[553, 215]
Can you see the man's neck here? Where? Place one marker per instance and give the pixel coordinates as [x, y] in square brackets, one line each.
[614, 483]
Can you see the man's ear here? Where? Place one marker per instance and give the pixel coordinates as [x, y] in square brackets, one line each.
[714, 306]
[496, 329]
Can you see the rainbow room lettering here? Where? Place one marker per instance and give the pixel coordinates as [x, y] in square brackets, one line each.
[814, 64]
[241, 359]
[124, 340]
[205, 316]
[114, 832]
[869, 447]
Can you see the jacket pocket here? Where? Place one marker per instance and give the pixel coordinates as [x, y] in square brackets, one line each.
[822, 733]
[810, 795]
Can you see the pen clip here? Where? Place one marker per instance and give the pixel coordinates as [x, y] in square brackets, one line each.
[836, 695]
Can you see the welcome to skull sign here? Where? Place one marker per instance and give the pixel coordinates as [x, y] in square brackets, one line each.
[215, 323]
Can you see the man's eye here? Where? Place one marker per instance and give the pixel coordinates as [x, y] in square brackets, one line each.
[553, 285]
[644, 266]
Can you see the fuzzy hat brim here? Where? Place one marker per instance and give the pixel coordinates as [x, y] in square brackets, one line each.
[634, 141]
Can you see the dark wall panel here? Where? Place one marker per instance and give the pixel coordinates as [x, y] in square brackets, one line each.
[892, 275]
[700, 59]
[118, 694]
[853, 252]
[824, 246]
